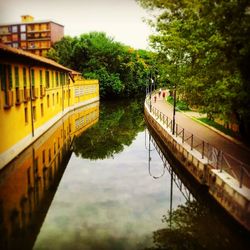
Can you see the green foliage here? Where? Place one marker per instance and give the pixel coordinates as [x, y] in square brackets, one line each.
[180, 104]
[204, 47]
[217, 126]
[118, 125]
[121, 70]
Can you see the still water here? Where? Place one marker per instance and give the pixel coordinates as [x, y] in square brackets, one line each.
[115, 190]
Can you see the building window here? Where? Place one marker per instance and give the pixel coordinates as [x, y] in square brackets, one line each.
[16, 77]
[49, 155]
[53, 79]
[14, 37]
[14, 28]
[48, 101]
[28, 177]
[26, 115]
[57, 80]
[23, 45]
[15, 45]
[61, 78]
[23, 28]
[24, 77]
[23, 36]
[53, 99]
[41, 77]
[34, 113]
[42, 111]
[44, 156]
[57, 98]
[6, 77]
[32, 77]
[47, 79]
[10, 76]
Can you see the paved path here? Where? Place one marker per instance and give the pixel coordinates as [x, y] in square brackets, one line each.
[205, 133]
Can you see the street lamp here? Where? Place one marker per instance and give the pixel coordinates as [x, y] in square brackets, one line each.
[174, 109]
[150, 94]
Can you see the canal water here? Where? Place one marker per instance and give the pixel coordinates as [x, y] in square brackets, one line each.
[110, 188]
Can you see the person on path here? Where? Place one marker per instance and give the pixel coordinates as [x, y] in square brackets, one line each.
[160, 93]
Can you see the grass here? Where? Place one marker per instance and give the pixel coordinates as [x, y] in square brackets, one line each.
[218, 127]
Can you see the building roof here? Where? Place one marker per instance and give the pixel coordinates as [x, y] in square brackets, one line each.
[33, 22]
[73, 72]
[28, 55]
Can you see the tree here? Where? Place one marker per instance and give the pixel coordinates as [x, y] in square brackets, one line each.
[204, 45]
[121, 70]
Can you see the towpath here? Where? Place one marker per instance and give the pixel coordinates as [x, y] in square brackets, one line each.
[219, 140]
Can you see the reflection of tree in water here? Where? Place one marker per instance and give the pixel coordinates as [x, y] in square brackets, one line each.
[194, 226]
[118, 125]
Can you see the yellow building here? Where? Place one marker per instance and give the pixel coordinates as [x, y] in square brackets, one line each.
[35, 92]
[26, 184]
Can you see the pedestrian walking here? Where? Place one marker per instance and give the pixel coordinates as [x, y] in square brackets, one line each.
[160, 93]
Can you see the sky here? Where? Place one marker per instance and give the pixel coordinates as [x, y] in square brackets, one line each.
[120, 19]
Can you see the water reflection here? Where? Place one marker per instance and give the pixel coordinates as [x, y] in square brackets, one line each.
[28, 183]
[122, 200]
[198, 223]
[108, 204]
[119, 123]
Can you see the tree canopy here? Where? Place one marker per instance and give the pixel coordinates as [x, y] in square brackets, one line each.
[204, 49]
[121, 70]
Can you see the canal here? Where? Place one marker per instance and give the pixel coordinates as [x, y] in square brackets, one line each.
[112, 187]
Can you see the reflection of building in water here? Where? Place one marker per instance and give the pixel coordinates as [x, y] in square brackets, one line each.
[28, 183]
[35, 92]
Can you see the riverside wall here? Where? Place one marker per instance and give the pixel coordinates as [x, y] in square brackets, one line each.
[221, 186]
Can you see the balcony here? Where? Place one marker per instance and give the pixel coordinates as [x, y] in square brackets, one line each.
[37, 31]
[19, 96]
[26, 94]
[8, 99]
[39, 39]
[42, 91]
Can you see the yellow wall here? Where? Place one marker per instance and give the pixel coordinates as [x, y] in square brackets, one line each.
[53, 93]
[25, 181]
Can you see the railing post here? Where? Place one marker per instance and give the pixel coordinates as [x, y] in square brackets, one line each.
[220, 161]
[241, 175]
[203, 149]
[176, 130]
[183, 135]
[192, 141]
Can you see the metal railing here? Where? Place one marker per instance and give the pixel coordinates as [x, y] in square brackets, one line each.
[180, 185]
[215, 157]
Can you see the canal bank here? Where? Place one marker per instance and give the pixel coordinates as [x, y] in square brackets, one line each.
[204, 162]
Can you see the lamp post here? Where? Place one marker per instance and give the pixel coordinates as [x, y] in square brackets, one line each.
[150, 94]
[174, 109]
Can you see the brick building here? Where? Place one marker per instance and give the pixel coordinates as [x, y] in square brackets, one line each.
[34, 36]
